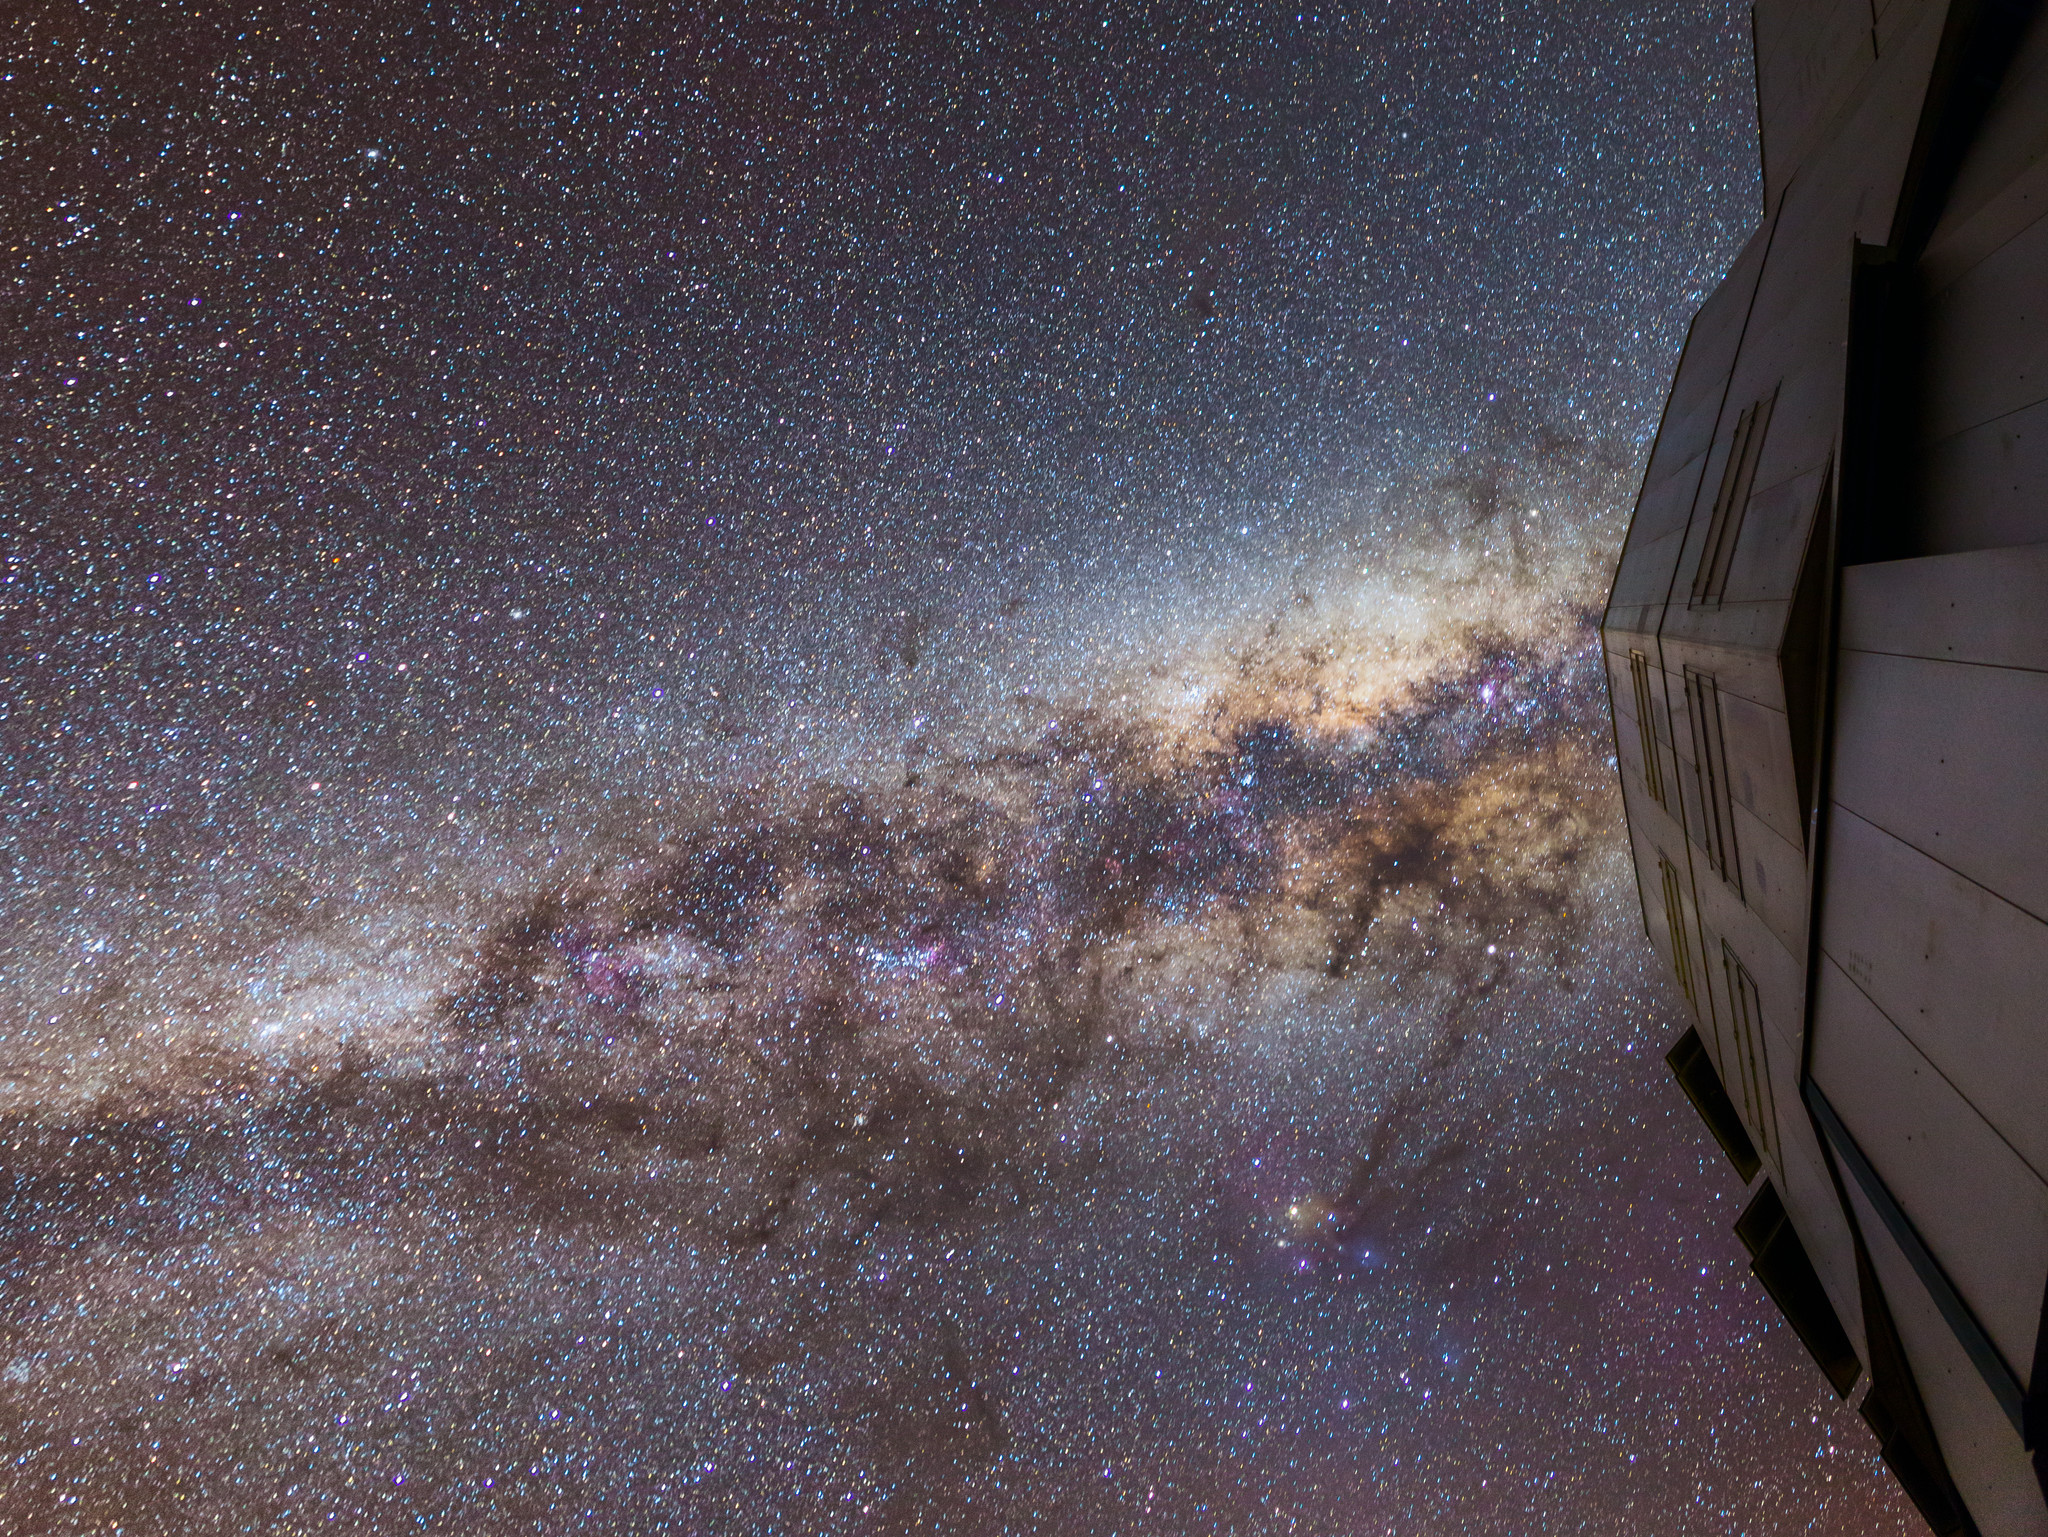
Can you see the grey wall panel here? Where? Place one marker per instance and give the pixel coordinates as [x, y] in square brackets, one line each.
[1803, 1180]
[1667, 497]
[1847, 188]
[1801, 297]
[1670, 492]
[1891, 18]
[1848, 184]
[1628, 748]
[1694, 405]
[1905, 67]
[1809, 55]
[1816, 1212]
[1787, 328]
[1800, 427]
[1802, 313]
[1692, 795]
[1632, 623]
[1757, 628]
[1780, 992]
[1664, 818]
[1687, 439]
[1987, 338]
[1985, 403]
[1655, 540]
[1684, 438]
[1747, 671]
[1694, 411]
[1783, 1045]
[1657, 827]
[1779, 971]
[1620, 684]
[1807, 413]
[1961, 972]
[1959, 244]
[1981, 1212]
[1948, 757]
[1981, 1448]
[1664, 689]
[1779, 522]
[1657, 824]
[1641, 858]
[2011, 148]
[1649, 881]
[1988, 606]
[1773, 879]
[1981, 488]
[1780, 976]
[1718, 1035]
[1643, 584]
[1760, 771]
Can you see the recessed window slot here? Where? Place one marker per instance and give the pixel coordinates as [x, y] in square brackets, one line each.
[1715, 832]
[1674, 921]
[1646, 726]
[1752, 1056]
[1724, 527]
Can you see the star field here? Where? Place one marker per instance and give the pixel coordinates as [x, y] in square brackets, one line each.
[841, 768]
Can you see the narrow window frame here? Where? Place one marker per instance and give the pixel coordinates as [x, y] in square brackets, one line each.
[1646, 727]
[1710, 753]
[1731, 503]
[1674, 923]
[1752, 1049]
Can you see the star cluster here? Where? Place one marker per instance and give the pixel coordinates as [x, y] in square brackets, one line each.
[841, 768]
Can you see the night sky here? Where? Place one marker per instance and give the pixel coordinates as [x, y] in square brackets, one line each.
[842, 769]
